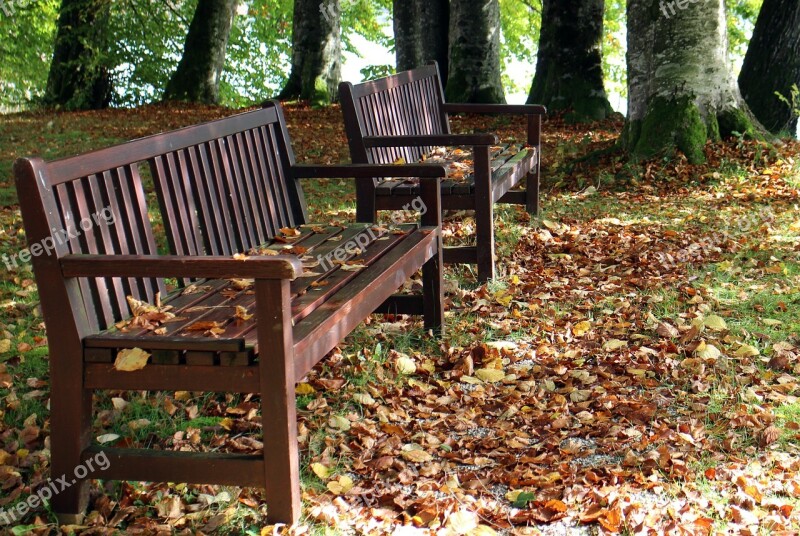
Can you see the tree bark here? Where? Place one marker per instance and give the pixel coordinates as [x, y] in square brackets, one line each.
[79, 78]
[772, 64]
[198, 74]
[316, 52]
[681, 90]
[569, 66]
[474, 74]
[421, 30]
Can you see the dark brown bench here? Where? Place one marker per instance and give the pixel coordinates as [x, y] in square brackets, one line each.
[223, 189]
[404, 116]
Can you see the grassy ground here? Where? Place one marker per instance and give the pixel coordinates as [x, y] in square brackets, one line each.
[634, 366]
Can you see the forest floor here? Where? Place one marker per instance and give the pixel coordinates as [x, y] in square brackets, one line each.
[632, 370]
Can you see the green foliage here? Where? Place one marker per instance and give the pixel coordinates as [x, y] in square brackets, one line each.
[147, 45]
[792, 101]
[521, 22]
[26, 47]
[259, 51]
[371, 72]
[742, 15]
[615, 70]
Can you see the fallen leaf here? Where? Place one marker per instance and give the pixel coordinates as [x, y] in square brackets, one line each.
[131, 359]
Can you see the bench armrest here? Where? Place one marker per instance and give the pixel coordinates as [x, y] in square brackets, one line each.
[437, 140]
[516, 109]
[205, 267]
[345, 171]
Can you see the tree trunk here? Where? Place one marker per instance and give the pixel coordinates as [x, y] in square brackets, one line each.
[569, 66]
[316, 52]
[421, 29]
[772, 64]
[681, 91]
[198, 74]
[474, 74]
[79, 77]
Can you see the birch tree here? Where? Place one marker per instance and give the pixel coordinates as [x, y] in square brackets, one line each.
[681, 90]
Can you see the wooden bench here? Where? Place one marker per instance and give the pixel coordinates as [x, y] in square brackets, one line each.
[404, 116]
[223, 189]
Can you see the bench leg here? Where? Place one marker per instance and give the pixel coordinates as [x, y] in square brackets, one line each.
[532, 193]
[366, 207]
[484, 215]
[70, 430]
[278, 410]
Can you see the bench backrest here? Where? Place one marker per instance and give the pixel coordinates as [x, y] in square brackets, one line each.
[407, 103]
[222, 187]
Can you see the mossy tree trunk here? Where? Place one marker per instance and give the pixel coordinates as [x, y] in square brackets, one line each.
[79, 77]
[421, 30]
[569, 66]
[475, 52]
[681, 90]
[772, 64]
[198, 74]
[316, 52]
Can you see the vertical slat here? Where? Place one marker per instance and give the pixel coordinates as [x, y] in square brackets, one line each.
[142, 232]
[250, 155]
[62, 199]
[108, 244]
[219, 162]
[267, 170]
[210, 213]
[110, 184]
[245, 195]
[89, 244]
[278, 179]
[218, 183]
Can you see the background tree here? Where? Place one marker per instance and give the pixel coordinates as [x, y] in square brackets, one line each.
[421, 30]
[681, 90]
[475, 72]
[316, 52]
[569, 67]
[198, 74]
[772, 64]
[79, 77]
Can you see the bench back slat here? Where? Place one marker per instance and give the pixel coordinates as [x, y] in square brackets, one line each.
[222, 188]
[105, 213]
[408, 103]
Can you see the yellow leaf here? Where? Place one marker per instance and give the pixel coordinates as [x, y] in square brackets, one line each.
[405, 365]
[5, 346]
[462, 522]
[771, 322]
[715, 322]
[131, 359]
[513, 495]
[241, 313]
[304, 389]
[580, 395]
[414, 453]
[746, 350]
[614, 344]
[490, 375]
[581, 328]
[105, 438]
[364, 399]
[4, 456]
[707, 351]
[341, 486]
[400, 161]
[339, 422]
[503, 298]
[226, 423]
[320, 470]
